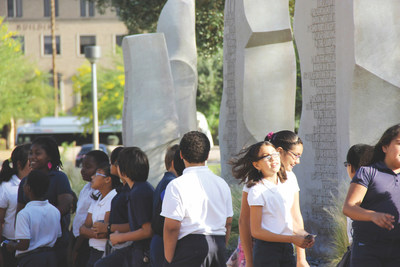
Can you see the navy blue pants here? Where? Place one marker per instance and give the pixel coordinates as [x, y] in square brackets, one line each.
[42, 259]
[199, 251]
[375, 253]
[125, 257]
[273, 254]
[94, 256]
[157, 251]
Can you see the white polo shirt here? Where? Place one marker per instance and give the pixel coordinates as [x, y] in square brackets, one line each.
[82, 207]
[8, 201]
[200, 200]
[98, 210]
[39, 221]
[277, 201]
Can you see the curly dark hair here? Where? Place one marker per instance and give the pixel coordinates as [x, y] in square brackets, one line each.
[38, 182]
[243, 169]
[195, 147]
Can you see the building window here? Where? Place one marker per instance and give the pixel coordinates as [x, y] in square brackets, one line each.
[14, 8]
[87, 8]
[118, 39]
[47, 48]
[86, 40]
[47, 7]
[21, 40]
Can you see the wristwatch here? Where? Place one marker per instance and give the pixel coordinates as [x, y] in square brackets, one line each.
[109, 229]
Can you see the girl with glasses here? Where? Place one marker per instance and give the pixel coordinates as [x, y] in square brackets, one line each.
[270, 206]
[105, 183]
[373, 202]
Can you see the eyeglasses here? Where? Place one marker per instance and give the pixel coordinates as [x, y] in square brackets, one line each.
[100, 174]
[271, 156]
[346, 164]
[296, 156]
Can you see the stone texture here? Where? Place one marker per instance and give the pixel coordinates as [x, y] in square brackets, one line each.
[259, 75]
[177, 22]
[150, 119]
[346, 99]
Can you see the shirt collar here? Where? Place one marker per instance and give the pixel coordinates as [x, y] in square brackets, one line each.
[194, 169]
[15, 180]
[381, 166]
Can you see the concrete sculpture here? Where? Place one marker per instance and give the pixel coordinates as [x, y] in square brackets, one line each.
[177, 22]
[350, 92]
[259, 74]
[150, 120]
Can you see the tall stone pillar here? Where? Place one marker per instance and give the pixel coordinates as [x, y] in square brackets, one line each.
[177, 22]
[259, 75]
[342, 99]
[150, 121]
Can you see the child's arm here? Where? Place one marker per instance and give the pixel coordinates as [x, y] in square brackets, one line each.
[20, 244]
[64, 203]
[101, 228]
[298, 228]
[142, 233]
[228, 226]
[171, 233]
[258, 232]
[86, 228]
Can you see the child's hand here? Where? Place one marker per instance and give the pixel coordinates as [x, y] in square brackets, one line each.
[99, 227]
[115, 238]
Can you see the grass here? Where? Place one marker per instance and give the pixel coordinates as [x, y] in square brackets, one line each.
[340, 241]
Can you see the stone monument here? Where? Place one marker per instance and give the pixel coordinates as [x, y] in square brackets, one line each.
[350, 92]
[177, 22]
[259, 75]
[149, 122]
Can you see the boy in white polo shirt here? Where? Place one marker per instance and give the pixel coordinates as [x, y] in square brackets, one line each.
[197, 208]
[37, 225]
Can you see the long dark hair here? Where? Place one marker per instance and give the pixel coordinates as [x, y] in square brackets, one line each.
[285, 139]
[50, 146]
[385, 140]
[10, 166]
[243, 169]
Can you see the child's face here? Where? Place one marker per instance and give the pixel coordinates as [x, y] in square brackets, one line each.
[291, 157]
[99, 180]
[269, 161]
[88, 168]
[392, 154]
[38, 158]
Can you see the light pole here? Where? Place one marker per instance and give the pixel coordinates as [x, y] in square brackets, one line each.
[93, 53]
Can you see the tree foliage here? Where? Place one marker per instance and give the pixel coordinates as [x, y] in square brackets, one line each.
[141, 16]
[110, 86]
[24, 90]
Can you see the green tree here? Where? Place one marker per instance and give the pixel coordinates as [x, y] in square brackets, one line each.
[141, 16]
[110, 83]
[24, 90]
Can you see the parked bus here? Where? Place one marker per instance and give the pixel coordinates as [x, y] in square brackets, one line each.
[69, 129]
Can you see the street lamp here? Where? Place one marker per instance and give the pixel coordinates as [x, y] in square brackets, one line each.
[93, 53]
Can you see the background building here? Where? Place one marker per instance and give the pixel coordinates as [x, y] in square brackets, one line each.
[78, 24]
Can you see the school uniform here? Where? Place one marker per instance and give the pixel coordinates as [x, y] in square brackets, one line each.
[202, 202]
[276, 201]
[8, 201]
[82, 207]
[59, 184]
[373, 245]
[140, 201]
[39, 222]
[98, 210]
[157, 224]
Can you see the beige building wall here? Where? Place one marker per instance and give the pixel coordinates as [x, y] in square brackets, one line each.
[70, 26]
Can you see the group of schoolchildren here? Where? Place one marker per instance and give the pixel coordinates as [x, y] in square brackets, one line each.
[121, 220]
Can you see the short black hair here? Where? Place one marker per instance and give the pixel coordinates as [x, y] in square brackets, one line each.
[195, 147]
[179, 165]
[360, 155]
[169, 156]
[38, 182]
[99, 157]
[114, 154]
[133, 163]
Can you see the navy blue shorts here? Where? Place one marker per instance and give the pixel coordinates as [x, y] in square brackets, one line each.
[273, 254]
